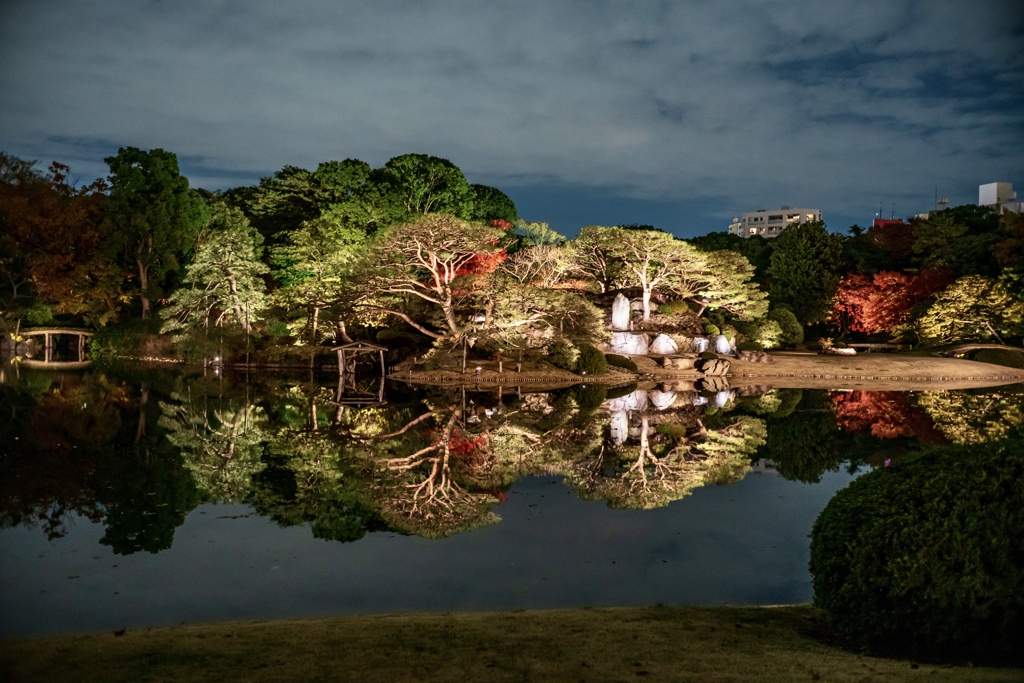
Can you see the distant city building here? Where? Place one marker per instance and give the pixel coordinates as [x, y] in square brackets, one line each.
[882, 222]
[999, 197]
[769, 223]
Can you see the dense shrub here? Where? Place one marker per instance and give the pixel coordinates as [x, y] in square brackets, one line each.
[621, 390]
[591, 361]
[749, 346]
[924, 559]
[589, 397]
[792, 330]
[563, 354]
[677, 307]
[620, 362]
[711, 328]
[707, 355]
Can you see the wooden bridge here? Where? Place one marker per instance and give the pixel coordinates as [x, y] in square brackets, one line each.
[49, 334]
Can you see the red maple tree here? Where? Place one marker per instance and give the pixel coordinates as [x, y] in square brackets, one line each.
[877, 303]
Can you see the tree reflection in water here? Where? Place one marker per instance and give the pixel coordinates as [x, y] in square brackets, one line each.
[137, 453]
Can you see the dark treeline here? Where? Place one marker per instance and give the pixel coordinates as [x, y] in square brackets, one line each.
[412, 255]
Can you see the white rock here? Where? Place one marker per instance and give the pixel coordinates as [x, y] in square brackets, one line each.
[619, 427]
[664, 345]
[662, 400]
[629, 343]
[620, 312]
[635, 401]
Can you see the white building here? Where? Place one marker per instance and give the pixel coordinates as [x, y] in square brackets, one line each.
[999, 197]
[769, 223]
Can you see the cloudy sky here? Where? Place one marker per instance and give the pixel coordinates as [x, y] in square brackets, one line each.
[676, 114]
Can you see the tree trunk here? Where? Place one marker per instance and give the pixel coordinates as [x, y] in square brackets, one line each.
[312, 332]
[647, 305]
[342, 333]
[143, 286]
[239, 313]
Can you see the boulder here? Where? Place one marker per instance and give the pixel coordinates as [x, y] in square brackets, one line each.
[635, 401]
[700, 344]
[619, 427]
[662, 400]
[620, 312]
[629, 344]
[720, 344]
[715, 367]
[678, 362]
[713, 384]
[663, 344]
[755, 357]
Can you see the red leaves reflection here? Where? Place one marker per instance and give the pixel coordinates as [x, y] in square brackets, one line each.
[887, 414]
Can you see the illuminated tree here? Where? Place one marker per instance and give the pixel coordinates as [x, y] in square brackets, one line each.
[881, 302]
[222, 285]
[422, 260]
[975, 308]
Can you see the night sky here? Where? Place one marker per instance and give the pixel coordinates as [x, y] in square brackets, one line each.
[676, 114]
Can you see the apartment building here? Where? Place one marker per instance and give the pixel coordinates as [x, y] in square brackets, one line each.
[770, 222]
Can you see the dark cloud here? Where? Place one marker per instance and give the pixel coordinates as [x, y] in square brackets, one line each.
[723, 105]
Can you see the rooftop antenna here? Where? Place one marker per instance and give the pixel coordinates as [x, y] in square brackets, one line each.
[879, 212]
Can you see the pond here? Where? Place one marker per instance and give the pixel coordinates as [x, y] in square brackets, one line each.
[132, 498]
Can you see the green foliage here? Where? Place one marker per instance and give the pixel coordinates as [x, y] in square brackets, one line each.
[923, 560]
[563, 354]
[151, 216]
[791, 329]
[490, 203]
[707, 355]
[590, 361]
[804, 442]
[749, 346]
[223, 284]
[589, 397]
[676, 307]
[804, 270]
[711, 329]
[394, 339]
[618, 361]
[621, 390]
[976, 308]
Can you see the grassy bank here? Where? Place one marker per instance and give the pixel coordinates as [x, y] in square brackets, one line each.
[654, 643]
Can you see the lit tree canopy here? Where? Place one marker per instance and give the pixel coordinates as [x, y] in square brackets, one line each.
[976, 308]
[222, 284]
[423, 259]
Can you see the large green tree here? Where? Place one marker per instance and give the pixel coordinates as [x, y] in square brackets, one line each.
[314, 265]
[976, 308]
[151, 216]
[222, 285]
[804, 270]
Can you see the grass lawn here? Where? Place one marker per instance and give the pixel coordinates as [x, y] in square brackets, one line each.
[623, 644]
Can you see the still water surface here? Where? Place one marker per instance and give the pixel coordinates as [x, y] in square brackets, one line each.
[132, 499]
